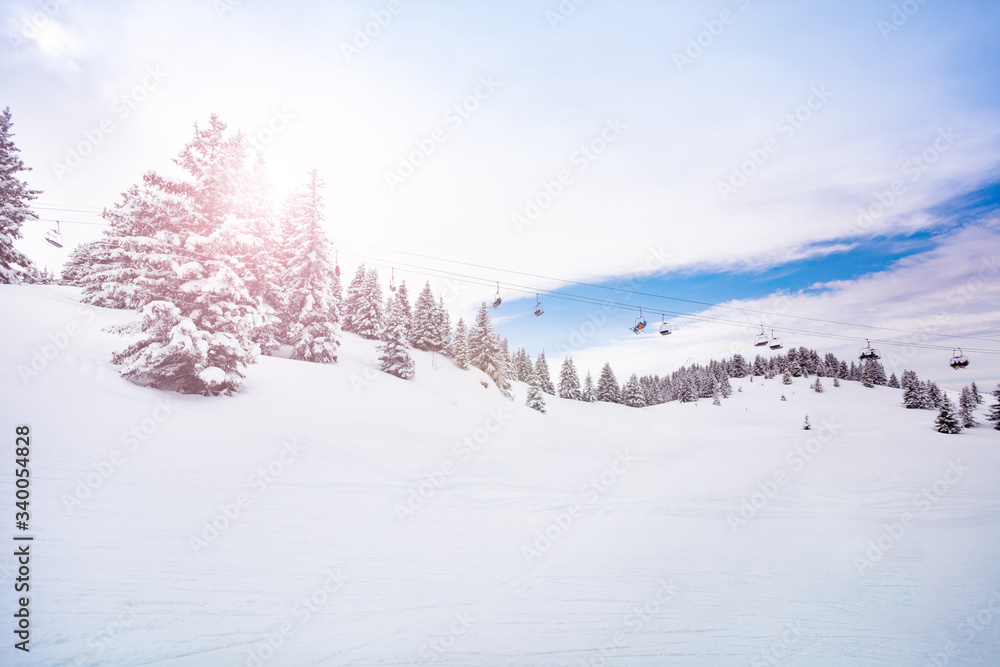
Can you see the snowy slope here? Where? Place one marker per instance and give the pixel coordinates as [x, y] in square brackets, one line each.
[651, 557]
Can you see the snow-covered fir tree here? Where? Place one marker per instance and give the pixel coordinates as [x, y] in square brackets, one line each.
[352, 299]
[947, 420]
[976, 396]
[486, 352]
[632, 393]
[403, 297]
[310, 316]
[836, 381]
[894, 381]
[607, 386]
[214, 317]
[806, 426]
[425, 331]
[569, 381]
[544, 376]
[934, 396]
[15, 197]
[534, 399]
[394, 351]
[867, 374]
[786, 378]
[458, 349]
[443, 328]
[993, 416]
[369, 317]
[589, 393]
[913, 391]
[818, 386]
[966, 408]
[715, 398]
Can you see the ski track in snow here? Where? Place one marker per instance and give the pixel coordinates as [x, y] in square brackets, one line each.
[728, 597]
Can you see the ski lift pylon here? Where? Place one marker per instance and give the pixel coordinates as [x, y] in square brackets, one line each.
[959, 360]
[54, 236]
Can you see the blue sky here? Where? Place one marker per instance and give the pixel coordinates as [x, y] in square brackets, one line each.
[732, 144]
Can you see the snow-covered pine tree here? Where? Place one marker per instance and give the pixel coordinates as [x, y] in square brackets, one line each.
[77, 264]
[687, 389]
[758, 366]
[632, 393]
[569, 381]
[310, 316]
[15, 196]
[976, 396]
[394, 351]
[783, 397]
[425, 330]
[206, 298]
[786, 378]
[725, 388]
[607, 386]
[994, 414]
[913, 391]
[934, 395]
[544, 376]
[403, 297]
[715, 398]
[836, 381]
[966, 408]
[459, 347]
[589, 394]
[535, 400]
[843, 372]
[947, 420]
[818, 386]
[486, 353]
[349, 312]
[443, 328]
[369, 318]
[806, 426]
[868, 373]
[894, 381]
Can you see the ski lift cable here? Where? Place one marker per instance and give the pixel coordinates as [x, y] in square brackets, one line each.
[674, 298]
[523, 289]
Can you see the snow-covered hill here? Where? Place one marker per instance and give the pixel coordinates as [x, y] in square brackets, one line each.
[334, 515]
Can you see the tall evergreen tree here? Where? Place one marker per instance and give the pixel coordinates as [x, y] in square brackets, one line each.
[15, 197]
[947, 420]
[425, 333]
[589, 393]
[486, 353]
[443, 327]
[894, 381]
[913, 391]
[369, 318]
[976, 396]
[353, 298]
[310, 316]
[403, 297]
[607, 386]
[994, 414]
[544, 377]
[569, 381]
[394, 352]
[459, 347]
[966, 408]
[818, 386]
[534, 399]
[632, 394]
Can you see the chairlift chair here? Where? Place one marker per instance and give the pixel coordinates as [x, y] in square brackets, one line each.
[54, 236]
[665, 327]
[640, 324]
[868, 352]
[498, 300]
[761, 339]
[959, 360]
[538, 307]
[775, 343]
[336, 264]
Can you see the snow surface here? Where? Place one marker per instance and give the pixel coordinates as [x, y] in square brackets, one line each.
[648, 571]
